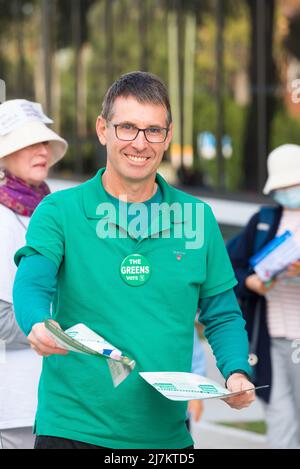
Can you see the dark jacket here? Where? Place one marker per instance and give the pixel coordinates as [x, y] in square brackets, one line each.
[251, 303]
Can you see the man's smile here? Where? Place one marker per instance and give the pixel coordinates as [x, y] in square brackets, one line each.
[136, 158]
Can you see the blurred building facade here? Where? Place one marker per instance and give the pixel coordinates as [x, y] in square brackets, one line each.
[232, 68]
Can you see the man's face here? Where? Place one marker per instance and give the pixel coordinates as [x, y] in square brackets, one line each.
[135, 160]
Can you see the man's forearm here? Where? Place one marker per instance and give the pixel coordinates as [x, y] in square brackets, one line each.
[10, 332]
[34, 286]
[225, 331]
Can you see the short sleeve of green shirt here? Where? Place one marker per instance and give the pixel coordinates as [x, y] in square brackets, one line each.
[219, 272]
[45, 234]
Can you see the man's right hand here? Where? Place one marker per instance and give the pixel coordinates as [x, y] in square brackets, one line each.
[254, 283]
[42, 343]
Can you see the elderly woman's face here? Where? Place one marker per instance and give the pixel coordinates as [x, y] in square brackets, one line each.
[30, 164]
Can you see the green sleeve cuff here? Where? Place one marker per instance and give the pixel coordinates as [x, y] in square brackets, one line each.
[27, 251]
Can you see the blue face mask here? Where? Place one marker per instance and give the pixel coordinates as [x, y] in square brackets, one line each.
[288, 198]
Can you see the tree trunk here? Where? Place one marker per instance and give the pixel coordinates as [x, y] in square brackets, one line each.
[219, 51]
[143, 34]
[47, 14]
[262, 73]
[20, 81]
[76, 33]
[109, 39]
[174, 88]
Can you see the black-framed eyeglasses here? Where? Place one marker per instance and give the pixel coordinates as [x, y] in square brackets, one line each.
[129, 132]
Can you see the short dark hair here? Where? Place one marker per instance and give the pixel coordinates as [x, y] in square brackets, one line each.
[145, 87]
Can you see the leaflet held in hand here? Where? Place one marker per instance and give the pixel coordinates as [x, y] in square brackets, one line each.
[82, 339]
[179, 386]
[275, 256]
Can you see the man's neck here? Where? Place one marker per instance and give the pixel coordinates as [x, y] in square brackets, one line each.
[127, 190]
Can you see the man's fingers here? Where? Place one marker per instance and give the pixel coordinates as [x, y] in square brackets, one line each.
[35, 338]
[241, 400]
[41, 337]
[237, 383]
[38, 352]
[42, 343]
[42, 349]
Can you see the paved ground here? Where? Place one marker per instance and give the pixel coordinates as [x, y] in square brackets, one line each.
[208, 434]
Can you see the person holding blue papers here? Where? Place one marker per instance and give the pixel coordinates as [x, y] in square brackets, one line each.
[271, 308]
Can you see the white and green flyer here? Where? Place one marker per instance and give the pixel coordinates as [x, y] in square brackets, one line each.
[81, 339]
[179, 386]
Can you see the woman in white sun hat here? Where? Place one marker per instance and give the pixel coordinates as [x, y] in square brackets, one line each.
[28, 148]
[272, 310]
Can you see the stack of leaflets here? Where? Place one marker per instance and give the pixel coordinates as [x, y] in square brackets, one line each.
[81, 339]
[275, 257]
[179, 386]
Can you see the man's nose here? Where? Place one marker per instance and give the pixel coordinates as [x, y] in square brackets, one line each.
[140, 141]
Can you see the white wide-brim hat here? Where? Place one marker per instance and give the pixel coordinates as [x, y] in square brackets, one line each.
[22, 123]
[283, 168]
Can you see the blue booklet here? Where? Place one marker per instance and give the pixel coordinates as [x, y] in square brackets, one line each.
[269, 247]
[276, 256]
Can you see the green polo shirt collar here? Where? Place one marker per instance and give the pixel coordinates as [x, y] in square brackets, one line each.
[95, 194]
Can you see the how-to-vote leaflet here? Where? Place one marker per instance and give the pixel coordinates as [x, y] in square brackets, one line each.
[179, 386]
[81, 339]
[275, 257]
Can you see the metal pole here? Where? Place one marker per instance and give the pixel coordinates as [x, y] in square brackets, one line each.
[188, 90]
[261, 92]
[109, 39]
[76, 33]
[2, 91]
[219, 92]
[47, 55]
[173, 65]
[180, 21]
[143, 34]
[20, 77]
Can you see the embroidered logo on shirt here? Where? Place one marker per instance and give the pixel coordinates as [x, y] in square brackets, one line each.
[179, 255]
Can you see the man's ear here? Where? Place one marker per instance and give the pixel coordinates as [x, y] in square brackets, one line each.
[101, 129]
[170, 136]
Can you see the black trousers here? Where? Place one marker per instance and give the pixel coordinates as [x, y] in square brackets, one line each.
[53, 442]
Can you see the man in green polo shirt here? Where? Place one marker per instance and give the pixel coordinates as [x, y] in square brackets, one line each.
[132, 258]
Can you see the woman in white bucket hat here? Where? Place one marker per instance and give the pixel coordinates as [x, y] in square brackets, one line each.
[272, 310]
[28, 148]
[284, 173]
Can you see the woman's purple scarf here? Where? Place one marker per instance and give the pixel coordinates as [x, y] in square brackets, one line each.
[20, 196]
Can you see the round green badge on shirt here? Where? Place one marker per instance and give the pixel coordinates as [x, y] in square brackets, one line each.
[135, 270]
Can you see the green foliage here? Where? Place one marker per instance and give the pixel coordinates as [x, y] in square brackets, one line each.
[256, 426]
[64, 33]
[236, 46]
[118, 44]
[125, 50]
[285, 129]
[291, 41]
[15, 10]
[234, 119]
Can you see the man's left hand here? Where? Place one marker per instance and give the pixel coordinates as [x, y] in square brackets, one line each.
[235, 383]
